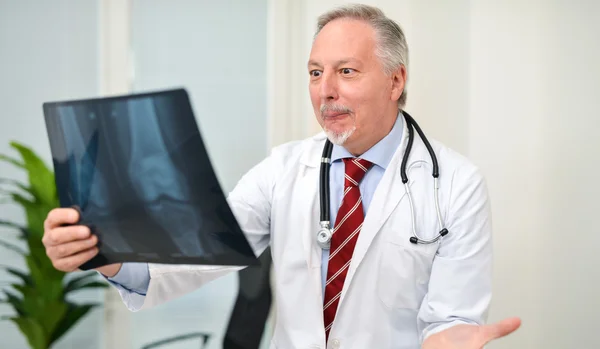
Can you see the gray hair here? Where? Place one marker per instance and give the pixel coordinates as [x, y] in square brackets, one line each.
[392, 48]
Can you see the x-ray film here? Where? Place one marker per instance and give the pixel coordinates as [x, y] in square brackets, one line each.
[136, 168]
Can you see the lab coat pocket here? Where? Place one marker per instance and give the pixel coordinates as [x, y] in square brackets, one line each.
[404, 275]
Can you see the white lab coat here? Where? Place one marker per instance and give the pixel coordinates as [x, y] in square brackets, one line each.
[395, 293]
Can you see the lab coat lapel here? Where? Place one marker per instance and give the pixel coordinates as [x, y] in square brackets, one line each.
[389, 193]
[309, 189]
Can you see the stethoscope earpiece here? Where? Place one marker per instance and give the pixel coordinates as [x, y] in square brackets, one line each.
[415, 240]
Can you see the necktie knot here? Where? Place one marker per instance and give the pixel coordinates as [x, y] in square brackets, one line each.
[356, 169]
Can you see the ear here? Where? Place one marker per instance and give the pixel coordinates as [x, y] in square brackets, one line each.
[398, 81]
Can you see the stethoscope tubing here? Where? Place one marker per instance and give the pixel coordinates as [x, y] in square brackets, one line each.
[325, 233]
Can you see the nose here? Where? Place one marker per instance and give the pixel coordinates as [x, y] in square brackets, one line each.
[328, 87]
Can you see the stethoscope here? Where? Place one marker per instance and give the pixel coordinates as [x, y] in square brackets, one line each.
[324, 235]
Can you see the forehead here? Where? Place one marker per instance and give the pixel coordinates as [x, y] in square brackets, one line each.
[344, 38]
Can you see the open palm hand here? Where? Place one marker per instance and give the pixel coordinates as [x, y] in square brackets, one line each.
[471, 336]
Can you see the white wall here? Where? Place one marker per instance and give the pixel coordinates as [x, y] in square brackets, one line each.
[535, 77]
[512, 85]
[217, 50]
[48, 51]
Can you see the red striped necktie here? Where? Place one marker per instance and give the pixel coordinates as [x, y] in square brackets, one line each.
[345, 234]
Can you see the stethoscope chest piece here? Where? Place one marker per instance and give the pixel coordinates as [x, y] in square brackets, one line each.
[324, 237]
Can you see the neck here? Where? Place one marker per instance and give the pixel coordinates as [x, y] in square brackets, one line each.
[360, 146]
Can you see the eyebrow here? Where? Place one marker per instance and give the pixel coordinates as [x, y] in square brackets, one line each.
[340, 62]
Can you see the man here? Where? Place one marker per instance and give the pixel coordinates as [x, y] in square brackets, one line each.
[371, 288]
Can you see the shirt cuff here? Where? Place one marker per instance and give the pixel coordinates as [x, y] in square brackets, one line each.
[133, 277]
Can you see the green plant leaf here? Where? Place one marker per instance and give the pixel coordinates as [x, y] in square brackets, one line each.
[11, 224]
[21, 275]
[9, 193]
[19, 287]
[52, 316]
[43, 312]
[36, 214]
[16, 302]
[23, 230]
[10, 160]
[16, 196]
[12, 247]
[20, 199]
[72, 283]
[74, 314]
[16, 184]
[33, 331]
[41, 177]
[32, 301]
[34, 269]
[93, 284]
[53, 289]
[41, 267]
[43, 273]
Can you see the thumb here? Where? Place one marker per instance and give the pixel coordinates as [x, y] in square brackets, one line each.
[500, 329]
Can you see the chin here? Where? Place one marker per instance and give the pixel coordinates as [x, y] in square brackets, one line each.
[339, 137]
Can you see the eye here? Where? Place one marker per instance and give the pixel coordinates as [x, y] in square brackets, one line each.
[315, 73]
[347, 71]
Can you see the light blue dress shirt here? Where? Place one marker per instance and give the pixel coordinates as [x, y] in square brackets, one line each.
[380, 156]
[135, 277]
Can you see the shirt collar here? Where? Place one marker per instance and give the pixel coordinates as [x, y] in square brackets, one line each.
[382, 152]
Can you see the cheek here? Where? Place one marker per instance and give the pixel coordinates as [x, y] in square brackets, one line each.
[356, 98]
[367, 102]
[314, 96]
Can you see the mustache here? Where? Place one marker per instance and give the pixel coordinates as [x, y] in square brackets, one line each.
[337, 108]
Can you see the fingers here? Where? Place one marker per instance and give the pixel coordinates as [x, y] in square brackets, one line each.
[62, 235]
[61, 216]
[67, 245]
[67, 249]
[501, 329]
[71, 263]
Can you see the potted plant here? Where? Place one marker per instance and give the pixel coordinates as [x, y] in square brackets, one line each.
[38, 296]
